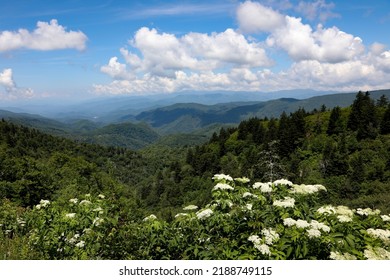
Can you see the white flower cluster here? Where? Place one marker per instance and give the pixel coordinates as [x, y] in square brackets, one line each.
[264, 187]
[248, 194]
[243, 180]
[204, 214]
[70, 215]
[190, 207]
[367, 212]
[73, 200]
[313, 233]
[344, 214]
[150, 217]
[97, 221]
[85, 202]
[341, 256]
[307, 189]
[221, 177]
[286, 202]
[385, 218]
[178, 215]
[383, 234]
[376, 253]
[263, 248]
[43, 204]
[270, 236]
[101, 196]
[80, 244]
[313, 228]
[222, 186]
[283, 182]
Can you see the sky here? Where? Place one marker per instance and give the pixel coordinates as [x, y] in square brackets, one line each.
[78, 49]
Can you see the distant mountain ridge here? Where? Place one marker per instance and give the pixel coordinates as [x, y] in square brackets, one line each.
[125, 129]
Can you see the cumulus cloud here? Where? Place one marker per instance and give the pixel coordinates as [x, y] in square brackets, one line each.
[323, 58]
[254, 17]
[301, 42]
[171, 63]
[46, 36]
[319, 9]
[12, 91]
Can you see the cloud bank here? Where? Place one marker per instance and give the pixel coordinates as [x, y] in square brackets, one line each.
[47, 36]
[320, 57]
[11, 90]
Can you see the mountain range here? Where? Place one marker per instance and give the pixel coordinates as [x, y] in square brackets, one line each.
[136, 122]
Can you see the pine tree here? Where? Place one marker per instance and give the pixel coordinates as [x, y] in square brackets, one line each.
[363, 116]
[385, 123]
[335, 125]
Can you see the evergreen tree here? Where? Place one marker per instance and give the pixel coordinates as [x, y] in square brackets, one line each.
[335, 125]
[385, 123]
[363, 117]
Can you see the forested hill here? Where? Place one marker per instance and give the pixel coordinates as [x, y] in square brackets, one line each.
[100, 196]
[345, 149]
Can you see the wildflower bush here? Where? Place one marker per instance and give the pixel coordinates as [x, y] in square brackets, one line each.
[244, 220]
[79, 229]
[274, 220]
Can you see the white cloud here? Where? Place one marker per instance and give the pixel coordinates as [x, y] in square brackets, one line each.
[254, 17]
[47, 36]
[12, 91]
[6, 79]
[324, 44]
[319, 9]
[323, 58]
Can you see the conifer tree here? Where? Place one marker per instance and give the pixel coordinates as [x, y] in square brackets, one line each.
[335, 125]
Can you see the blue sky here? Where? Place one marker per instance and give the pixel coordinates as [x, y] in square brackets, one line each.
[74, 49]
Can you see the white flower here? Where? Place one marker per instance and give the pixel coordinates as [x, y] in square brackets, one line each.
[255, 239]
[204, 214]
[222, 186]
[98, 209]
[81, 244]
[97, 221]
[190, 207]
[385, 218]
[313, 233]
[307, 189]
[344, 210]
[302, 224]
[317, 225]
[249, 206]
[38, 206]
[150, 217]
[283, 182]
[263, 248]
[70, 215]
[181, 215]
[341, 256]
[73, 200]
[44, 203]
[367, 211]
[376, 253]
[289, 222]
[287, 202]
[86, 202]
[101, 196]
[220, 177]
[270, 235]
[383, 234]
[329, 209]
[264, 187]
[243, 180]
[344, 218]
[248, 194]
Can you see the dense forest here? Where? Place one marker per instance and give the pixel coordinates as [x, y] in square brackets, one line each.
[347, 150]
